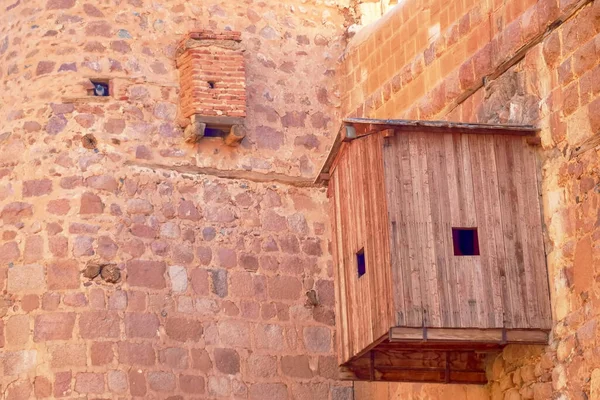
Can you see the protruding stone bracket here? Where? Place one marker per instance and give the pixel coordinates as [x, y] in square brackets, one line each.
[235, 135]
[231, 129]
[195, 130]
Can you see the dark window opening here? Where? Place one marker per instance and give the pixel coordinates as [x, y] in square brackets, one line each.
[101, 88]
[213, 132]
[466, 241]
[360, 262]
[211, 84]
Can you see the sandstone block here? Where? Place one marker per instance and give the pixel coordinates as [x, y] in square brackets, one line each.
[161, 381]
[99, 324]
[191, 384]
[201, 360]
[137, 383]
[182, 329]
[63, 274]
[53, 326]
[117, 381]
[101, 353]
[17, 330]
[149, 274]
[268, 391]
[141, 325]
[296, 366]
[136, 353]
[317, 339]
[91, 204]
[18, 362]
[87, 382]
[68, 355]
[174, 357]
[179, 279]
[227, 361]
[234, 333]
[62, 383]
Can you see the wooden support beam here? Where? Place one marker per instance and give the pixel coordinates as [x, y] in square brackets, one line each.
[534, 140]
[466, 336]
[388, 132]
[386, 365]
[348, 133]
[235, 135]
[527, 336]
[194, 131]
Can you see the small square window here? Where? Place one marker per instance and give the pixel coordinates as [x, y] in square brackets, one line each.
[101, 88]
[465, 241]
[361, 265]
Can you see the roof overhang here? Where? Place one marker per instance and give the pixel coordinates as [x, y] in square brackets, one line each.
[354, 128]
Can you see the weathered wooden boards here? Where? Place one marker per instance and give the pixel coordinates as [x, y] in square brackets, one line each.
[488, 182]
[398, 194]
[359, 213]
[443, 365]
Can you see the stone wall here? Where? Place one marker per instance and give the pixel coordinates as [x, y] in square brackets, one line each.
[508, 62]
[223, 286]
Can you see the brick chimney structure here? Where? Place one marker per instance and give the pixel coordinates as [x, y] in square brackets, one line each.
[213, 85]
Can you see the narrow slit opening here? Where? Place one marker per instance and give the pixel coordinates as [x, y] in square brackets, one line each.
[361, 265]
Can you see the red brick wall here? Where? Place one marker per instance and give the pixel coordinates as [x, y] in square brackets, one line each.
[212, 75]
[476, 70]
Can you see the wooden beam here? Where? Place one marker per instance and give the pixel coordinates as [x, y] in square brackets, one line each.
[349, 133]
[468, 336]
[254, 176]
[389, 132]
[235, 135]
[366, 126]
[218, 122]
[369, 126]
[527, 336]
[465, 335]
[417, 366]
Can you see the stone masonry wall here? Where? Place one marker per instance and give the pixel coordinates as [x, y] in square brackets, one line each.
[225, 287]
[533, 62]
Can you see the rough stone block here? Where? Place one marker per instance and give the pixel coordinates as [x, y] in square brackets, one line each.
[53, 326]
[26, 279]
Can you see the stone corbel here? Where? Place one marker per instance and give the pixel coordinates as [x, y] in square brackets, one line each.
[195, 130]
[233, 130]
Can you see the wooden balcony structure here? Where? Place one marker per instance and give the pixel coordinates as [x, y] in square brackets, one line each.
[438, 247]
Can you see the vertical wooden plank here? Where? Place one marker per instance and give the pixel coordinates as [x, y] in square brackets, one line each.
[482, 169]
[392, 154]
[531, 224]
[454, 220]
[404, 234]
[492, 194]
[524, 242]
[384, 237]
[429, 269]
[441, 227]
[462, 265]
[417, 231]
[340, 278]
[478, 303]
[506, 191]
[363, 221]
[538, 253]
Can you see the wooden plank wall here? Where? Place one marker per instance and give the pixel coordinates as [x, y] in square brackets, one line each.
[438, 181]
[365, 309]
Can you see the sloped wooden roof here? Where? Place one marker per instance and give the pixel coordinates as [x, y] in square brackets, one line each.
[353, 128]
